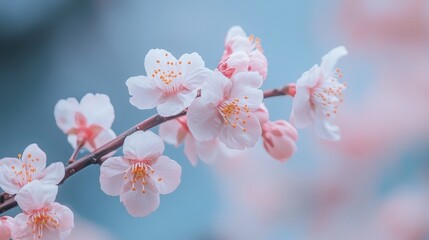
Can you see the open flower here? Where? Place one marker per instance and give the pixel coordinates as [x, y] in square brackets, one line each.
[318, 94]
[141, 174]
[5, 227]
[15, 172]
[170, 85]
[242, 53]
[87, 123]
[42, 217]
[279, 139]
[225, 110]
[176, 132]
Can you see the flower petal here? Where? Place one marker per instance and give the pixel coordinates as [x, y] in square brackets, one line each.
[53, 174]
[65, 217]
[112, 173]
[159, 59]
[236, 138]
[302, 112]
[36, 195]
[174, 104]
[326, 130]
[145, 92]
[172, 132]
[105, 136]
[215, 88]
[330, 59]
[20, 229]
[139, 203]
[141, 145]
[9, 180]
[204, 120]
[97, 109]
[64, 112]
[167, 174]
[34, 157]
[208, 151]
[190, 150]
[246, 88]
[233, 32]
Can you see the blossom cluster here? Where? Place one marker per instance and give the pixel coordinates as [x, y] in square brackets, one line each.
[211, 112]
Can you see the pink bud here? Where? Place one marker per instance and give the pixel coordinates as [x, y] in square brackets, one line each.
[5, 227]
[279, 139]
[262, 114]
[234, 63]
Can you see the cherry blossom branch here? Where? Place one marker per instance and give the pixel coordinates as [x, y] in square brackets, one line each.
[8, 202]
[75, 152]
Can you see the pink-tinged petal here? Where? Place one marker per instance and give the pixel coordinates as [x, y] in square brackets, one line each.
[194, 80]
[330, 59]
[234, 63]
[159, 59]
[247, 79]
[64, 113]
[139, 203]
[98, 110]
[215, 88]
[174, 104]
[36, 195]
[65, 217]
[326, 130]
[112, 175]
[6, 224]
[20, 229]
[311, 78]
[141, 145]
[259, 63]
[247, 91]
[233, 32]
[190, 149]
[34, 157]
[204, 120]
[105, 136]
[237, 138]
[280, 139]
[172, 132]
[208, 151]
[167, 174]
[262, 113]
[9, 179]
[190, 63]
[145, 92]
[302, 112]
[53, 174]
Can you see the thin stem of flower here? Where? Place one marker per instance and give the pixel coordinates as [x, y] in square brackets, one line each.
[76, 151]
[97, 156]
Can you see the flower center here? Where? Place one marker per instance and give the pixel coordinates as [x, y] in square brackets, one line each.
[27, 170]
[329, 94]
[172, 77]
[234, 113]
[140, 175]
[40, 221]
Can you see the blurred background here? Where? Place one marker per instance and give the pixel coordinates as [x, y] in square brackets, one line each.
[374, 184]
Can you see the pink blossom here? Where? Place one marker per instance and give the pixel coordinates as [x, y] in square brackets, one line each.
[262, 114]
[87, 123]
[242, 53]
[141, 174]
[225, 110]
[170, 85]
[17, 172]
[279, 139]
[42, 217]
[176, 132]
[318, 94]
[5, 227]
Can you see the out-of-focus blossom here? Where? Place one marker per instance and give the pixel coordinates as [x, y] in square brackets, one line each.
[6, 224]
[279, 139]
[225, 110]
[141, 174]
[176, 132]
[17, 172]
[42, 217]
[242, 53]
[170, 85]
[318, 95]
[86, 229]
[87, 123]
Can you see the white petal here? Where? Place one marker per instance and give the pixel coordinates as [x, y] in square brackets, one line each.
[235, 31]
[167, 174]
[9, 181]
[36, 195]
[157, 59]
[215, 88]
[140, 204]
[64, 112]
[325, 130]
[65, 217]
[170, 131]
[174, 104]
[204, 120]
[34, 157]
[302, 112]
[208, 151]
[330, 59]
[141, 145]
[145, 92]
[112, 175]
[190, 150]
[236, 138]
[98, 110]
[53, 174]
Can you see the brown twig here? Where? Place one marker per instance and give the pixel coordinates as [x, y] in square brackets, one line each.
[96, 157]
[76, 151]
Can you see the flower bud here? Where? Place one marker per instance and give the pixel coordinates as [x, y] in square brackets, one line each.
[279, 139]
[234, 63]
